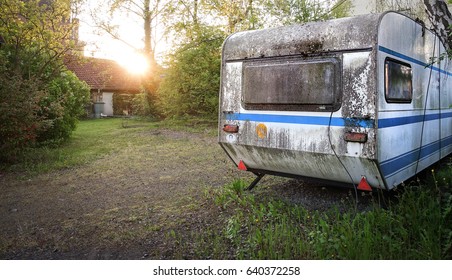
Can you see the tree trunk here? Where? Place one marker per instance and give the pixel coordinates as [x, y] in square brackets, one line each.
[195, 13]
[148, 51]
[441, 20]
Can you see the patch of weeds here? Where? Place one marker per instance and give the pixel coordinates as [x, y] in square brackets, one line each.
[408, 226]
[232, 194]
[152, 227]
[408, 229]
[443, 181]
[256, 228]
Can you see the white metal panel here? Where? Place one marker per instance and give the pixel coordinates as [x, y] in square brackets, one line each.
[408, 133]
[446, 106]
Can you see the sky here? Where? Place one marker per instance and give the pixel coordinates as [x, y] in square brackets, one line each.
[104, 46]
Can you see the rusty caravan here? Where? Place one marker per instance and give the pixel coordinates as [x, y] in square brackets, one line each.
[352, 101]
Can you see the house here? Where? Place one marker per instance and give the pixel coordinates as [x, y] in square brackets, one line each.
[112, 86]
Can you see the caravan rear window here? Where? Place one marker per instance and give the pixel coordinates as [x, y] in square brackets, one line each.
[304, 85]
[398, 81]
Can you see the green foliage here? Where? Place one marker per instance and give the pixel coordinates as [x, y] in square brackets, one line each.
[192, 80]
[19, 120]
[289, 12]
[443, 181]
[63, 105]
[142, 105]
[121, 103]
[341, 9]
[410, 229]
[416, 225]
[238, 15]
[39, 100]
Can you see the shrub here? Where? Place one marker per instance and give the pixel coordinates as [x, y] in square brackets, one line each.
[20, 123]
[192, 81]
[62, 106]
[122, 102]
[39, 99]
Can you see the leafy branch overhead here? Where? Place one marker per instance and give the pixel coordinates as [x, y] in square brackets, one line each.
[441, 20]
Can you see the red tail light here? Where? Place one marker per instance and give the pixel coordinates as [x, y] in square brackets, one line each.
[355, 137]
[231, 128]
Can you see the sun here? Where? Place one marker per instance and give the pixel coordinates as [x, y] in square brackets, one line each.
[134, 62]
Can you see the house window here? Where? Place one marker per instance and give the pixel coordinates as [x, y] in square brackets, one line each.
[398, 81]
[292, 85]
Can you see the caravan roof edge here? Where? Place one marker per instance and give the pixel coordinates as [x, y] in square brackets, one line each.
[302, 39]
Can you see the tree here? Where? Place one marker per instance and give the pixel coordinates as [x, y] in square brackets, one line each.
[238, 14]
[146, 11]
[441, 20]
[340, 9]
[36, 38]
[182, 20]
[296, 11]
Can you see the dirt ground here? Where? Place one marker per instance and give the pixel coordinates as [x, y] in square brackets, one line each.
[125, 204]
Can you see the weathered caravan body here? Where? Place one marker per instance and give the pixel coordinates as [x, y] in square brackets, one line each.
[350, 100]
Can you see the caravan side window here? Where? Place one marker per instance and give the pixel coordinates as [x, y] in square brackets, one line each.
[398, 81]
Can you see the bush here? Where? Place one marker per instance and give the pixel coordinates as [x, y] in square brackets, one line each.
[20, 123]
[62, 106]
[192, 81]
[122, 102]
[40, 100]
[31, 112]
[141, 105]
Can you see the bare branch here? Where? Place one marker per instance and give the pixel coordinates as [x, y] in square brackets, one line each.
[441, 20]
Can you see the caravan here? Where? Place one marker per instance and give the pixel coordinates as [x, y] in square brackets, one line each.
[354, 101]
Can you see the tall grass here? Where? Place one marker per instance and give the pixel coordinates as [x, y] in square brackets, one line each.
[415, 224]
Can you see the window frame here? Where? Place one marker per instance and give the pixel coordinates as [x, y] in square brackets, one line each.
[388, 98]
[309, 107]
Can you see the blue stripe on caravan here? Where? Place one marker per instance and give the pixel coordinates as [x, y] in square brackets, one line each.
[413, 60]
[397, 164]
[390, 122]
[446, 115]
[308, 120]
[341, 122]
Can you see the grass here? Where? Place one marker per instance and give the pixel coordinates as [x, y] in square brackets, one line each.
[414, 225]
[192, 124]
[94, 139]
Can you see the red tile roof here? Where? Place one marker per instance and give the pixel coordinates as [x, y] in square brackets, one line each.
[104, 74]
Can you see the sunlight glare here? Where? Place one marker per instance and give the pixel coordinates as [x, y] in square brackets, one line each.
[134, 63]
